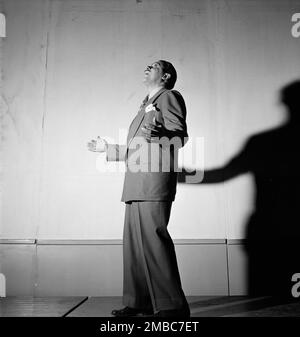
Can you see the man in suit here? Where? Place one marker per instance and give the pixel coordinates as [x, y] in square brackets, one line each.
[151, 282]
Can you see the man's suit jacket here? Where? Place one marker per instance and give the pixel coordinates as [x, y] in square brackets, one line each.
[151, 167]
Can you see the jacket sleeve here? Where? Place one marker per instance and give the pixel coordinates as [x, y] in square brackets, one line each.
[116, 152]
[173, 111]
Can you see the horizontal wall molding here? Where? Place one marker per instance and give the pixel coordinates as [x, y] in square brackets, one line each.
[236, 241]
[199, 241]
[120, 242]
[104, 242]
[79, 242]
[18, 241]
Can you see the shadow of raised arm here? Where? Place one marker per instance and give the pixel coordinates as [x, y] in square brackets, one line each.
[236, 166]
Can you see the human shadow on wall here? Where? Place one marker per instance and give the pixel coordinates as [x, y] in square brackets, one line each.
[273, 229]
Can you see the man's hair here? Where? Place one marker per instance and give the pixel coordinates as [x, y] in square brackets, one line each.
[168, 67]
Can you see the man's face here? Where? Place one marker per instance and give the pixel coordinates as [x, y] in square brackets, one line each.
[153, 74]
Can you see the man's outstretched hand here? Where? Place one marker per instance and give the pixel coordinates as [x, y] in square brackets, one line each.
[98, 145]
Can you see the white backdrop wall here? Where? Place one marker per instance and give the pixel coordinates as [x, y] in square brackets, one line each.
[73, 70]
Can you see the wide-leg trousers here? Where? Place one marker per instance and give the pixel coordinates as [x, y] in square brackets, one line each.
[151, 276]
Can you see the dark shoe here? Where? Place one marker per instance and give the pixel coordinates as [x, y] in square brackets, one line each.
[131, 312]
[184, 313]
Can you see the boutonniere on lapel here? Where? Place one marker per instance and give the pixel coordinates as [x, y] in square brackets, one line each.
[150, 107]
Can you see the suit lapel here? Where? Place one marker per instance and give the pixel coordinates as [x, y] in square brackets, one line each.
[140, 116]
[136, 123]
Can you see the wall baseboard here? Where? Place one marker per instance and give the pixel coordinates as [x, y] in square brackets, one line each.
[51, 267]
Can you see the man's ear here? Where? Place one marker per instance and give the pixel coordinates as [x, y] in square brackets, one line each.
[166, 76]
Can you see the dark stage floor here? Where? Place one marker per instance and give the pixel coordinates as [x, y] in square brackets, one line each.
[201, 306]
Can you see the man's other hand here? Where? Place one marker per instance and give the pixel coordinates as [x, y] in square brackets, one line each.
[152, 131]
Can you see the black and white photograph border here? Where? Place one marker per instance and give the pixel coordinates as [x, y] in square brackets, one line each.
[149, 164]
